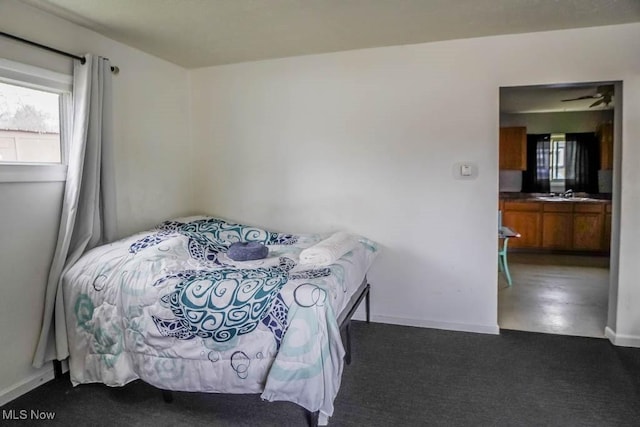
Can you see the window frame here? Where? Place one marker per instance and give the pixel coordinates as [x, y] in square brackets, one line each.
[28, 76]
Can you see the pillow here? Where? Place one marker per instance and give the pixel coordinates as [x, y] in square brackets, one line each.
[329, 250]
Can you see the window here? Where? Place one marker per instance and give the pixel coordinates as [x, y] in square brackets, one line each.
[557, 157]
[29, 125]
[33, 113]
[562, 161]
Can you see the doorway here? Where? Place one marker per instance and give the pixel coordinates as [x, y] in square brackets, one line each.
[558, 196]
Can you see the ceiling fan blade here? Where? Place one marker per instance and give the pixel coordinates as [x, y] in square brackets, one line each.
[581, 97]
[598, 102]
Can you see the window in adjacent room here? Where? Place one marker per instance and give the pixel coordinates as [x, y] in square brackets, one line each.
[561, 161]
[557, 162]
[34, 110]
[557, 157]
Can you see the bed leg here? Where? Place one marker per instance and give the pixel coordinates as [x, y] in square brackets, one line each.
[167, 396]
[367, 302]
[57, 369]
[313, 418]
[347, 331]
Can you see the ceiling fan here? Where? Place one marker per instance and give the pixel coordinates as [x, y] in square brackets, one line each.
[603, 95]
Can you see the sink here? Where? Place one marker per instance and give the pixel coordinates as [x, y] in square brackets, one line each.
[551, 199]
[565, 199]
[583, 199]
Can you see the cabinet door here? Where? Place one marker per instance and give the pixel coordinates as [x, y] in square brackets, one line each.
[513, 148]
[557, 225]
[605, 136]
[525, 223]
[588, 226]
[557, 230]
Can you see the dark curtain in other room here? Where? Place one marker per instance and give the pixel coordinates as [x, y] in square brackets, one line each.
[582, 159]
[536, 178]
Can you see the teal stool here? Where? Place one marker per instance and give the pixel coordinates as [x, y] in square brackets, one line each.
[505, 233]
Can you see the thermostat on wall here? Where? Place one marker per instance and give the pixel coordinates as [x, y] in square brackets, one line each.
[465, 170]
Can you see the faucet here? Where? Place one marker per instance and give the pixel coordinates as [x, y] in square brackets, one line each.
[567, 194]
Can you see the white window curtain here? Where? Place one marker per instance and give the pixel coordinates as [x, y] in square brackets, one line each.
[88, 207]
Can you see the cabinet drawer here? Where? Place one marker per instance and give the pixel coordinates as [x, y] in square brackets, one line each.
[608, 208]
[588, 207]
[522, 206]
[557, 207]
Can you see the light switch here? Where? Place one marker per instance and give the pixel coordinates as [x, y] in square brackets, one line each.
[465, 170]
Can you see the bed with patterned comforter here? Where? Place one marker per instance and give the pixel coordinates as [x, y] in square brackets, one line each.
[171, 308]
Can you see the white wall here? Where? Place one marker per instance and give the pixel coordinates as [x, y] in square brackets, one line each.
[153, 156]
[366, 141]
[29, 218]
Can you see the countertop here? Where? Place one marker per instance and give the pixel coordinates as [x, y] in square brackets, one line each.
[546, 197]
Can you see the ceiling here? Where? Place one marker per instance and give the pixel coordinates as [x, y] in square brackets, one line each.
[548, 99]
[198, 33]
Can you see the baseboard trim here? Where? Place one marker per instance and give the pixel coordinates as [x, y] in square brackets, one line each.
[424, 323]
[26, 385]
[622, 340]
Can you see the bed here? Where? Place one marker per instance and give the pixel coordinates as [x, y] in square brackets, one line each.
[170, 307]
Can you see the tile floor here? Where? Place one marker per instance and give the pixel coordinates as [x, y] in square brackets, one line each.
[557, 294]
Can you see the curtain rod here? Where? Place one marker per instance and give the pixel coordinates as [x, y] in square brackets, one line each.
[114, 69]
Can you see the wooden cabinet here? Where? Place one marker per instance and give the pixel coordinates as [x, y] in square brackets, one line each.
[562, 225]
[557, 225]
[523, 217]
[513, 148]
[588, 226]
[605, 137]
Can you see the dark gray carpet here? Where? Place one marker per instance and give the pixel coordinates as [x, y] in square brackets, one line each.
[400, 376]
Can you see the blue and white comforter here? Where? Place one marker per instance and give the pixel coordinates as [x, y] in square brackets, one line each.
[170, 308]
